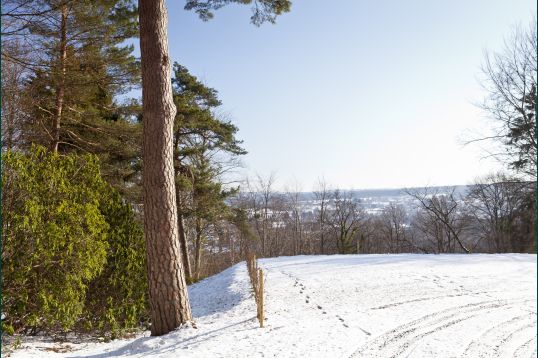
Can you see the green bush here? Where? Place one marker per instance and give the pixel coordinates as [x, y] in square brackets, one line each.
[66, 233]
[117, 299]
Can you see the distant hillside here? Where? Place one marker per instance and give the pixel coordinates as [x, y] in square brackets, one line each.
[388, 193]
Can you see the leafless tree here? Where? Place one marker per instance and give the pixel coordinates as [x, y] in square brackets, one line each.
[370, 240]
[393, 226]
[265, 189]
[321, 194]
[496, 202]
[439, 218]
[510, 83]
[344, 220]
[293, 200]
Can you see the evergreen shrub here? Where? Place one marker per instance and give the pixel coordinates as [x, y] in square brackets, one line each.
[73, 255]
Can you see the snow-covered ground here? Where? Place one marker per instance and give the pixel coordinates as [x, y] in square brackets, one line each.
[351, 306]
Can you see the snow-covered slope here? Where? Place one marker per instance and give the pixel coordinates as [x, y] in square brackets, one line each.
[352, 306]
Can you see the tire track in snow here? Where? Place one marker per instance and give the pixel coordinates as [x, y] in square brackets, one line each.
[462, 291]
[513, 334]
[526, 349]
[399, 303]
[493, 339]
[396, 341]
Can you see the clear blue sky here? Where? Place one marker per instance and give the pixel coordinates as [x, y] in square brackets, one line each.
[368, 94]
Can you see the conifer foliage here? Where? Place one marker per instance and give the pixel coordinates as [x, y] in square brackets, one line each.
[204, 147]
[72, 251]
[262, 10]
[76, 64]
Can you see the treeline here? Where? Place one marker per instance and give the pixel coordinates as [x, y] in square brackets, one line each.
[496, 214]
[74, 256]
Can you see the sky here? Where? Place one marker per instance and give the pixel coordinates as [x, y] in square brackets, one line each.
[367, 94]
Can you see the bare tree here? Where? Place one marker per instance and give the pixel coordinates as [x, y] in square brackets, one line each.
[295, 209]
[440, 217]
[321, 194]
[281, 235]
[496, 202]
[344, 220]
[392, 224]
[510, 82]
[264, 188]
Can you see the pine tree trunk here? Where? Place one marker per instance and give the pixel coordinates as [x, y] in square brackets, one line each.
[60, 88]
[198, 248]
[183, 238]
[167, 287]
[232, 248]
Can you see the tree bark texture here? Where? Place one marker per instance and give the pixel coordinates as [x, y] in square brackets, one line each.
[167, 287]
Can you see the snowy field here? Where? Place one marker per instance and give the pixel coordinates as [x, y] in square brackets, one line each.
[350, 306]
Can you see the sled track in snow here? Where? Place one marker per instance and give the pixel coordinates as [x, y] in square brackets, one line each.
[396, 341]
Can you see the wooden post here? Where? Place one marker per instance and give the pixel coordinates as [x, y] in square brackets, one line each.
[260, 303]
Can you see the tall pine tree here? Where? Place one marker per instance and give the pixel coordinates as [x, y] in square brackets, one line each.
[168, 292]
[78, 68]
